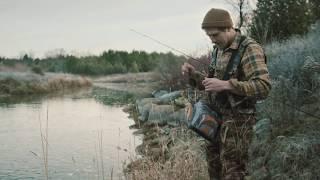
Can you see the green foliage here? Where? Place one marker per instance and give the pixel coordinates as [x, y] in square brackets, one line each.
[109, 62]
[292, 65]
[315, 6]
[37, 70]
[280, 19]
[119, 68]
[112, 97]
[9, 62]
[134, 68]
[168, 68]
[2, 59]
[27, 60]
[291, 149]
[7, 84]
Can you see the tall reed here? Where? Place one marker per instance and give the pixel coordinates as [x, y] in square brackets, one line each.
[44, 142]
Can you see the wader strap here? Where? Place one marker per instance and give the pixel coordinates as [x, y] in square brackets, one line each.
[234, 61]
[233, 64]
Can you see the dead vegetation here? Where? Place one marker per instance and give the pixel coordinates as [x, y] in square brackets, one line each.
[169, 154]
[24, 83]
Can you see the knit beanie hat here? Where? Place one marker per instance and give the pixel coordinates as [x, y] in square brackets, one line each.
[217, 18]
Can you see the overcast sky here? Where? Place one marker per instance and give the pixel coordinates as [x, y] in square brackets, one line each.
[92, 26]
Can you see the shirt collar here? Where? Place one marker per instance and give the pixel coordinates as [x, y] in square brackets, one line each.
[236, 42]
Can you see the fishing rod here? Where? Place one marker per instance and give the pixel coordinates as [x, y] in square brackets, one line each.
[170, 47]
[181, 52]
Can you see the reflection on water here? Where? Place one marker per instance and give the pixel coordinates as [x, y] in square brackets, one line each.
[74, 124]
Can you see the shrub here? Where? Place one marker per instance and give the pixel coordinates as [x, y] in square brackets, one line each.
[294, 68]
[37, 70]
[291, 150]
[168, 70]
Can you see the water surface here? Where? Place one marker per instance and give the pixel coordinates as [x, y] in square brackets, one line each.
[78, 126]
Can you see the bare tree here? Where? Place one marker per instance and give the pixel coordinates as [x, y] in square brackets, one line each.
[244, 8]
[238, 5]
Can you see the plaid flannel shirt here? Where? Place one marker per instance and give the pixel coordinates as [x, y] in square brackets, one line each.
[252, 78]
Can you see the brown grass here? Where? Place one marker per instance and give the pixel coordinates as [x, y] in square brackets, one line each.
[127, 78]
[67, 82]
[17, 83]
[176, 156]
[17, 67]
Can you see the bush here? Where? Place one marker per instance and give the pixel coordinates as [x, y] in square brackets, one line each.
[37, 70]
[168, 70]
[291, 150]
[27, 83]
[280, 19]
[294, 68]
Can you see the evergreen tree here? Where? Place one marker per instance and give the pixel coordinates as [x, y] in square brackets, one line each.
[315, 9]
[134, 68]
[280, 19]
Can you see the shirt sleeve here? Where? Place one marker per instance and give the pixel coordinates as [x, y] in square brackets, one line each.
[256, 81]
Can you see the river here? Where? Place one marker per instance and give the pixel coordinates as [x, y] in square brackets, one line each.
[86, 138]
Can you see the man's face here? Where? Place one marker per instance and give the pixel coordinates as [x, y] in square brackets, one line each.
[218, 37]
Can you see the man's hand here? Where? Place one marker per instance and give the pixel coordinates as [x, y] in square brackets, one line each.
[187, 68]
[216, 85]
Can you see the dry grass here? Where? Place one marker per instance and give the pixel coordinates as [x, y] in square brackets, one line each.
[127, 78]
[177, 155]
[23, 83]
[45, 143]
[67, 82]
[290, 151]
[17, 67]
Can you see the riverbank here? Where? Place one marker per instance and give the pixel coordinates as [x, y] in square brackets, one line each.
[140, 84]
[286, 142]
[27, 83]
[168, 150]
[171, 151]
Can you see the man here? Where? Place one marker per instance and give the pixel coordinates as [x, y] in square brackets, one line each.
[233, 94]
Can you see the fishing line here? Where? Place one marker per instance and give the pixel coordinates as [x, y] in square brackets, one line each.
[192, 58]
[170, 47]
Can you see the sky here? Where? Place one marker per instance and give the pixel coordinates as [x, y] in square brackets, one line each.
[89, 27]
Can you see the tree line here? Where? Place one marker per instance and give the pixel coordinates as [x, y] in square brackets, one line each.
[109, 62]
[270, 20]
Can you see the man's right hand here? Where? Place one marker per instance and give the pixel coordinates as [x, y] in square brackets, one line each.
[187, 69]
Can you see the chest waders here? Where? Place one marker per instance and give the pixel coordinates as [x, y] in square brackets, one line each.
[206, 118]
